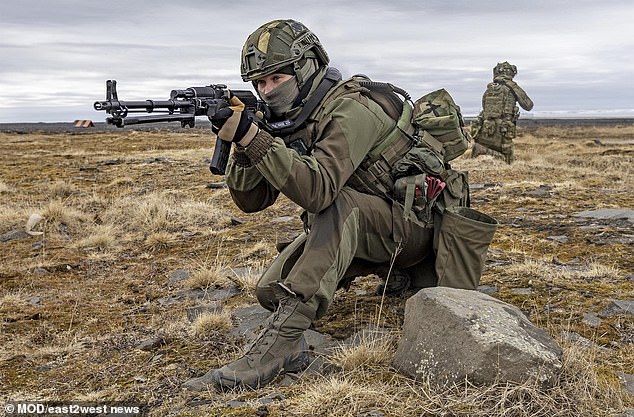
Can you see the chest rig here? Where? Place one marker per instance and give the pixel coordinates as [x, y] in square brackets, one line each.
[373, 176]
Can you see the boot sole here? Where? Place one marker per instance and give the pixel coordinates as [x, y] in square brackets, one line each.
[290, 365]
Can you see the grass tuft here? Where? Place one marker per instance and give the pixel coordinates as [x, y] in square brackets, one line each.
[209, 323]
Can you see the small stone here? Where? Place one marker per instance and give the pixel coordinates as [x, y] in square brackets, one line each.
[272, 397]
[488, 289]
[541, 191]
[151, 344]
[608, 214]
[39, 244]
[577, 339]
[111, 162]
[592, 320]
[627, 380]
[559, 238]
[14, 235]
[178, 275]
[88, 168]
[617, 308]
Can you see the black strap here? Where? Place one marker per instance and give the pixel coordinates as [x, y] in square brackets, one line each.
[287, 127]
[509, 87]
[303, 93]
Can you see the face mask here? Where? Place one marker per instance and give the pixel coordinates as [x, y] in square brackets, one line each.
[281, 98]
[308, 69]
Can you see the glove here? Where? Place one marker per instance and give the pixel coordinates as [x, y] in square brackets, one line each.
[233, 124]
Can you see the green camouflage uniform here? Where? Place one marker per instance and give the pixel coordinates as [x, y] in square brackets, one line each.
[494, 130]
[345, 225]
[342, 177]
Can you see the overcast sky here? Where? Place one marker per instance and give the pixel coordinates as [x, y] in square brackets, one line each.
[573, 57]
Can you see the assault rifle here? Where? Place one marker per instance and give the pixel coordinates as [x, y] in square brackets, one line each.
[183, 106]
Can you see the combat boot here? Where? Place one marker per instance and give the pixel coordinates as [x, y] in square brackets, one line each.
[395, 284]
[279, 348]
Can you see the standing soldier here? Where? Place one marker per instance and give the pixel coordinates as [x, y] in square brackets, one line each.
[494, 130]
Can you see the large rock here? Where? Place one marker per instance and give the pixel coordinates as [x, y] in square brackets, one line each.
[451, 334]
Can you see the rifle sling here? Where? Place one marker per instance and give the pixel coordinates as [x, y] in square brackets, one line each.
[510, 88]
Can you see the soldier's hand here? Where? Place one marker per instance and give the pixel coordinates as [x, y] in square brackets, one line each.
[233, 124]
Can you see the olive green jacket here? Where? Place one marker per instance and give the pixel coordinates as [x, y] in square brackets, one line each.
[341, 131]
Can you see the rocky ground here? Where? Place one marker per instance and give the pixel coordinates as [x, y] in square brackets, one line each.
[126, 269]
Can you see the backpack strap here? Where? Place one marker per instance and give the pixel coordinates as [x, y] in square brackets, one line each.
[410, 193]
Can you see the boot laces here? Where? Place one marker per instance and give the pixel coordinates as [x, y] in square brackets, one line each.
[265, 337]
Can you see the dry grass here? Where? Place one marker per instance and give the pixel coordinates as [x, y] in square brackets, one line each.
[158, 241]
[247, 280]
[372, 350]
[5, 188]
[212, 323]
[13, 299]
[213, 277]
[102, 237]
[363, 389]
[545, 269]
[126, 209]
[61, 189]
[210, 272]
[57, 212]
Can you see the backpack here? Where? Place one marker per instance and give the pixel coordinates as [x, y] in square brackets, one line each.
[428, 133]
[438, 115]
[435, 130]
[436, 118]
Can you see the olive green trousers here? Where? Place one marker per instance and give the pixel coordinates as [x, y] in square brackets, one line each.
[352, 237]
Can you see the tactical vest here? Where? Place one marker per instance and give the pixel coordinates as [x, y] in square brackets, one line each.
[498, 102]
[373, 176]
[427, 135]
[407, 149]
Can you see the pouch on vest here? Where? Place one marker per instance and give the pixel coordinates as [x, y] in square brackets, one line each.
[411, 191]
[422, 160]
[456, 192]
[438, 114]
[463, 239]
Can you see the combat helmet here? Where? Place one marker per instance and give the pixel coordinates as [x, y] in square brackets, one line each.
[504, 68]
[279, 44]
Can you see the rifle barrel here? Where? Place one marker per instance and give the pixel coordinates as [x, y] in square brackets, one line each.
[147, 105]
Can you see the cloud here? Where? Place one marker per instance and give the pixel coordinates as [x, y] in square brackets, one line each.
[57, 55]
